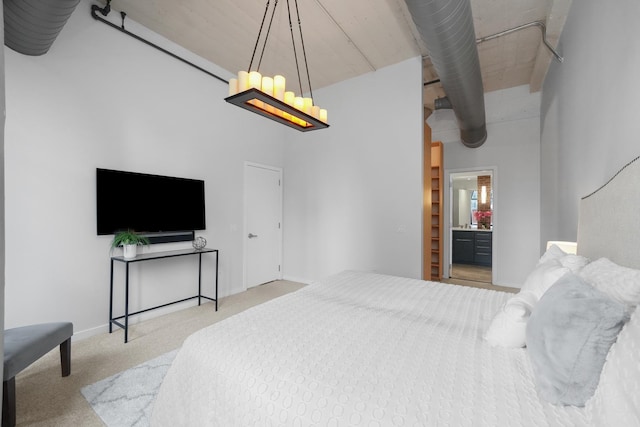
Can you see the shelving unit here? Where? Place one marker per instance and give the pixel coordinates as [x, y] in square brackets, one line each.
[437, 237]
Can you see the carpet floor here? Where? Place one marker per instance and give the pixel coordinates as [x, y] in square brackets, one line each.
[44, 398]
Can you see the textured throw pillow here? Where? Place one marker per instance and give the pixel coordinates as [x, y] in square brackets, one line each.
[620, 283]
[568, 337]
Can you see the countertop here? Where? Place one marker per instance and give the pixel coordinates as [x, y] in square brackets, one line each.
[470, 229]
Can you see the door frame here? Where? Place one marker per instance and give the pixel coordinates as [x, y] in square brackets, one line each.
[448, 218]
[247, 165]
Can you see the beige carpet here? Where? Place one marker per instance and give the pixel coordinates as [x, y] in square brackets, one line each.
[44, 398]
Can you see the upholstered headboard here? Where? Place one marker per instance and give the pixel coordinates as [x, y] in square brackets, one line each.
[609, 223]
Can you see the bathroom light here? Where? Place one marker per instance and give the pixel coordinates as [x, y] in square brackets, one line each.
[483, 194]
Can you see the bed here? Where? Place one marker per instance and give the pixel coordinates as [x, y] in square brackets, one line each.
[365, 349]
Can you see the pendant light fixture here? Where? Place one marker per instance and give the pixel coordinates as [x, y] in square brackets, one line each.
[268, 96]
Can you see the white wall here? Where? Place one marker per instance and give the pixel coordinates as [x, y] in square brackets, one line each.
[590, 126]
[512, 149]
[353, 192]
[99, 98]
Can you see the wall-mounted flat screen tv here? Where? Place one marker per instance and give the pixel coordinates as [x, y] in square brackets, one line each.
[148, 203]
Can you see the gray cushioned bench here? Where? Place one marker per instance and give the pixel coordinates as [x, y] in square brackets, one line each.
[22, 347]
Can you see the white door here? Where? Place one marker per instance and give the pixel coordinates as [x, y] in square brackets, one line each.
[263, 224]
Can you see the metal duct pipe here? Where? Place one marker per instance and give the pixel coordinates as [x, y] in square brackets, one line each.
[31, 26]
[447, 29]
[442, 104]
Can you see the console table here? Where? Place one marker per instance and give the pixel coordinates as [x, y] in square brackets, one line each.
[155, 256]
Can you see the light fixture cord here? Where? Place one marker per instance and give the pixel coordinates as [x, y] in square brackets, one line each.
[293, 42]
[275, 6]
[304, 52]
[266, 9]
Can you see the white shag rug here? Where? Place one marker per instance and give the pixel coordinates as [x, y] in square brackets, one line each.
[126, 399]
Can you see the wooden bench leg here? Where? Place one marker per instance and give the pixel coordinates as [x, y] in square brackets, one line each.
[9, 402]
[65, 357]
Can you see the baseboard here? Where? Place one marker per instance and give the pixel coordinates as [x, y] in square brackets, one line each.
[135, 319]
[88, 333]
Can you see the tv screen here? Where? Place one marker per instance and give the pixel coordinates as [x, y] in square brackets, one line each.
[148, 203]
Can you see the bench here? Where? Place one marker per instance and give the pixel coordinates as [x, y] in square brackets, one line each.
[22, 347]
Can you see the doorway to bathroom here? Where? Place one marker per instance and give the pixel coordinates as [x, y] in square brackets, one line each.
[471, 213]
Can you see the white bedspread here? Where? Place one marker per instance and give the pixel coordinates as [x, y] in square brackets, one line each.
[357, 349]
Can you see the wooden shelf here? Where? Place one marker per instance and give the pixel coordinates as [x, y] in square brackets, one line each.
[436, 181]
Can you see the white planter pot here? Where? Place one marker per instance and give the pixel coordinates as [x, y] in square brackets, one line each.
[129, 251]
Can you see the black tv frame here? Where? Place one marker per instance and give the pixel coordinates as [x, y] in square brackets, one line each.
[165, 236]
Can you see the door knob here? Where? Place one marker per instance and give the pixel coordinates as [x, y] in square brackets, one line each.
[251, 235]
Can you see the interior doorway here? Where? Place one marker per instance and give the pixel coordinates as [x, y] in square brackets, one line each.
[263, 224]
[472, 215]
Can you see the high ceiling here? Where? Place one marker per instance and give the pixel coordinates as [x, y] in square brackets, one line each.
[344, 39]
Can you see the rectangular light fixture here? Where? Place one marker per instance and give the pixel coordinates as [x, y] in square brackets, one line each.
[272, 108]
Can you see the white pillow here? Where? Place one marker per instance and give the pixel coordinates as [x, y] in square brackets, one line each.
[554, 252]
[575, 263]
[508, 327]
[507, 330]
[521, 304]
[543, 277]
[619, 283]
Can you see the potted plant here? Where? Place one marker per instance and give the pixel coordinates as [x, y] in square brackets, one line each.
[129, 240]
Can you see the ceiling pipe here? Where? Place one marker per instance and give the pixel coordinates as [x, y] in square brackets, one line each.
[31, 26]
[446, 27]
[442, 103]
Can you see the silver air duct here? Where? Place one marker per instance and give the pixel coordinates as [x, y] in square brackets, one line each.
[447, 29]
[31, 26]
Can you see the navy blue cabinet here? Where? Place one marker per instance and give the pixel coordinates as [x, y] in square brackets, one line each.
[471, 247]
[463, 243]
[482, 248]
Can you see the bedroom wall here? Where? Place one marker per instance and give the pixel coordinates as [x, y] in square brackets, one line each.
[589, 126]
[353, 192]
[513, 150]
[99, 98]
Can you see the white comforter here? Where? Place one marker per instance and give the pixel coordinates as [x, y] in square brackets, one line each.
[357, 349]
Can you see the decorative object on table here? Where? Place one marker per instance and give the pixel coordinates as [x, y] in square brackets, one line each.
[199, 243]
[266, 95]
[483, 218]
[129, 240]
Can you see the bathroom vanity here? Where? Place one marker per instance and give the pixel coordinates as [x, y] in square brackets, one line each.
[471, 246]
